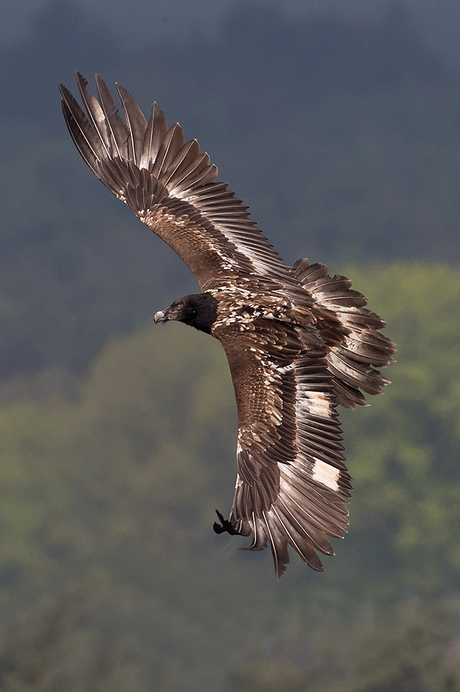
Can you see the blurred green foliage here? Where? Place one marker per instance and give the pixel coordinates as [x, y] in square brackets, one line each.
[404, 449]
[114, 489]
[411, 650]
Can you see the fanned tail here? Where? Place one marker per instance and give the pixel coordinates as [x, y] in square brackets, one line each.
[356, 347]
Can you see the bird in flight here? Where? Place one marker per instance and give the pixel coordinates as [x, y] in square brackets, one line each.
[299, 342]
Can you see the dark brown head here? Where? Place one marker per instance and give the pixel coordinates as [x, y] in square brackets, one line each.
[198, 310]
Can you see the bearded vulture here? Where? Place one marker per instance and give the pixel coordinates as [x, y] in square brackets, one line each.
[299, 342]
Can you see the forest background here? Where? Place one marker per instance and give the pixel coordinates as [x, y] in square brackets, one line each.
[117, 438]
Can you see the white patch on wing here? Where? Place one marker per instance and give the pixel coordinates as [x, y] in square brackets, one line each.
[286, 369]
[326, 474]
[317, 403]
[238, 481]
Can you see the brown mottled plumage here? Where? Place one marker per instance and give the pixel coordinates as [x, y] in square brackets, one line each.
[299, 342]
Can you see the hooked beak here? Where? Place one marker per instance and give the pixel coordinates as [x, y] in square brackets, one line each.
[161, 316]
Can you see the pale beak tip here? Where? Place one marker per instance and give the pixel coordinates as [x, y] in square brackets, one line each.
[159, 316]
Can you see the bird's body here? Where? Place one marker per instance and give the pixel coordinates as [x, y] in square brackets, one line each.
[298, 341]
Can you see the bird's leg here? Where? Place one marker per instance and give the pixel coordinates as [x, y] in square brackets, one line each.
[226, 525]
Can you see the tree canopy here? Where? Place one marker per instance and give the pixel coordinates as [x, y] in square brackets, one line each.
[120, 484]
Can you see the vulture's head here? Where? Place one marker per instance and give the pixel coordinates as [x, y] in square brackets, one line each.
[198, 310]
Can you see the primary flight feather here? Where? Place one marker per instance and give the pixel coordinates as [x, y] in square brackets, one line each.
[298, 341]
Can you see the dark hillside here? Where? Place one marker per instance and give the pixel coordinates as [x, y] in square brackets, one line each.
[342, 136]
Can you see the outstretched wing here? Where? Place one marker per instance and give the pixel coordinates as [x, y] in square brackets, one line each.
[350, 331]
[292, 484]
[171, 187]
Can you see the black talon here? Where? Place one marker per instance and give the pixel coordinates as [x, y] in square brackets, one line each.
[226, 525]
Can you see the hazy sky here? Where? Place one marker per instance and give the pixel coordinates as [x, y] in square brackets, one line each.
[141, 20]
